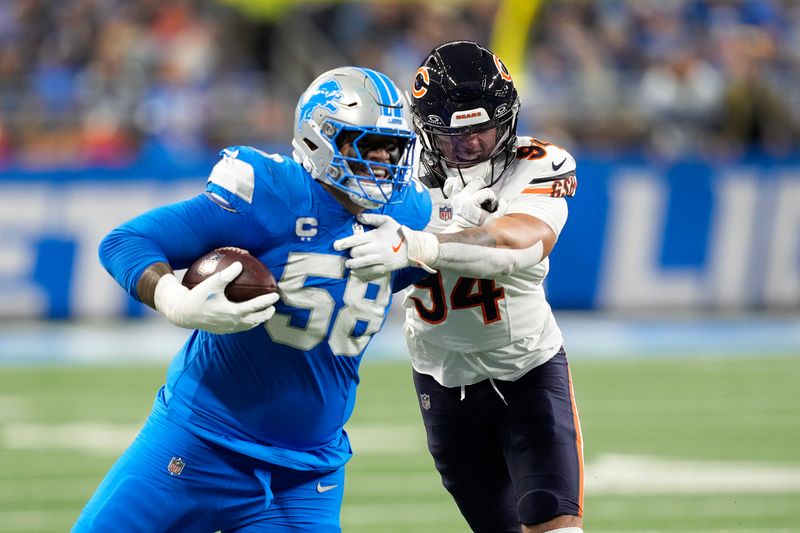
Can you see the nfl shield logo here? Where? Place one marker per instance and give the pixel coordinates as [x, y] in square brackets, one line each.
[357, 228]
[209, 264]
[175, 466]
[445, 212]
[425, 400]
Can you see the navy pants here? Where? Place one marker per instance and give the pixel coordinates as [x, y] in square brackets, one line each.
[509, 452]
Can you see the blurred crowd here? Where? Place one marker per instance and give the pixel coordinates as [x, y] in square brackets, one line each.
[108, 82]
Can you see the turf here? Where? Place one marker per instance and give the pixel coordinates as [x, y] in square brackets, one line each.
[62, 427]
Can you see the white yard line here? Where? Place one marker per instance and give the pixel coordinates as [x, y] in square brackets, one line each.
[625, 474]
[610, 474]
[88, 437]
[113, 438]
[13, 407]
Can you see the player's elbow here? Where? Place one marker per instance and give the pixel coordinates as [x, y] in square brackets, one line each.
[108, 248]
[117, 253]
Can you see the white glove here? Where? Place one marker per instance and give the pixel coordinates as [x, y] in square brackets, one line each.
[385, 249]
[467, 204]
[474, 204]
[206, 307]
[453, 185]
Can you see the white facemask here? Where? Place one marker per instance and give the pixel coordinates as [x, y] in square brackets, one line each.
[480, 171]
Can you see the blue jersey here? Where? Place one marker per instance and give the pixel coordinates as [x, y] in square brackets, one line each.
[280, 392]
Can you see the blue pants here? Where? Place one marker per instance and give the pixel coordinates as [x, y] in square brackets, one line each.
[171, 480]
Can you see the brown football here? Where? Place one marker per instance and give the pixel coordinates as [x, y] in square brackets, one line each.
[255, 279]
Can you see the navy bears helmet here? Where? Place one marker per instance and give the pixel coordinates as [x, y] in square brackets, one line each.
[462, 89]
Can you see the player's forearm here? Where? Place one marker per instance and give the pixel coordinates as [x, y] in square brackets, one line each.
[125, 253]
[475, 260]
[173, 234]
[146, 287]
[509, 245]
[504, 247]
[515, 231]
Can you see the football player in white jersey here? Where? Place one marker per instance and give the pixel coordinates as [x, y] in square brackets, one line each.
[489, 367]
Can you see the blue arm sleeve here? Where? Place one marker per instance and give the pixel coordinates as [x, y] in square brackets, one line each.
[414, 211]
[177, 234]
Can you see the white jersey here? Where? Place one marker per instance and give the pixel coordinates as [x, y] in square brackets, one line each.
[460, 330]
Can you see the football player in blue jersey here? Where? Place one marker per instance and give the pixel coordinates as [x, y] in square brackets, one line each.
[247, 433]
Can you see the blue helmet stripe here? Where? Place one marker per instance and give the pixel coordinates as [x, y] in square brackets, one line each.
[393, 94]
[389, 85]
[383, 93]
[386, 91]
[380, 83]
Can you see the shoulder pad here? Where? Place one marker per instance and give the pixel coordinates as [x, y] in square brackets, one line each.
[542, 161]
[239, 167]
[269, 158]
[233, 174]
[543, 168]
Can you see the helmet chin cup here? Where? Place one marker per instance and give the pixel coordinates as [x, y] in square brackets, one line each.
[360, 201]
[480, 171]
[372, 197]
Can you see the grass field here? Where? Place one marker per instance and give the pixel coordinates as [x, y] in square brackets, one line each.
[705, 445]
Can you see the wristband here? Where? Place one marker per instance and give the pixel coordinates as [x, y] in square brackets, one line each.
[422, 248]
[168, 292]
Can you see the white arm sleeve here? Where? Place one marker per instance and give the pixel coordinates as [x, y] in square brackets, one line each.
[485, 262]
[470, 260]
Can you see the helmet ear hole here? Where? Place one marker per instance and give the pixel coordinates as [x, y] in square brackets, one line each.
[311, 146]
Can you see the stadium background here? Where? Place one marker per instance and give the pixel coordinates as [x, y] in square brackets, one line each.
[676, 281]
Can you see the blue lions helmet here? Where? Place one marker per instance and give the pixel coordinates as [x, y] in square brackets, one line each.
[343, 115]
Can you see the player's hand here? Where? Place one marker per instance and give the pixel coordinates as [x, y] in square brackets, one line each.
[387, 248]
[473, 204]
[376, 252]
[206, 307]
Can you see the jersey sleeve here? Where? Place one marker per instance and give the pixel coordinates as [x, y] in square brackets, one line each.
[545, 179]
[232, 182]
[551, 211]
[177, 234]
[415, 209]
[407, 276]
